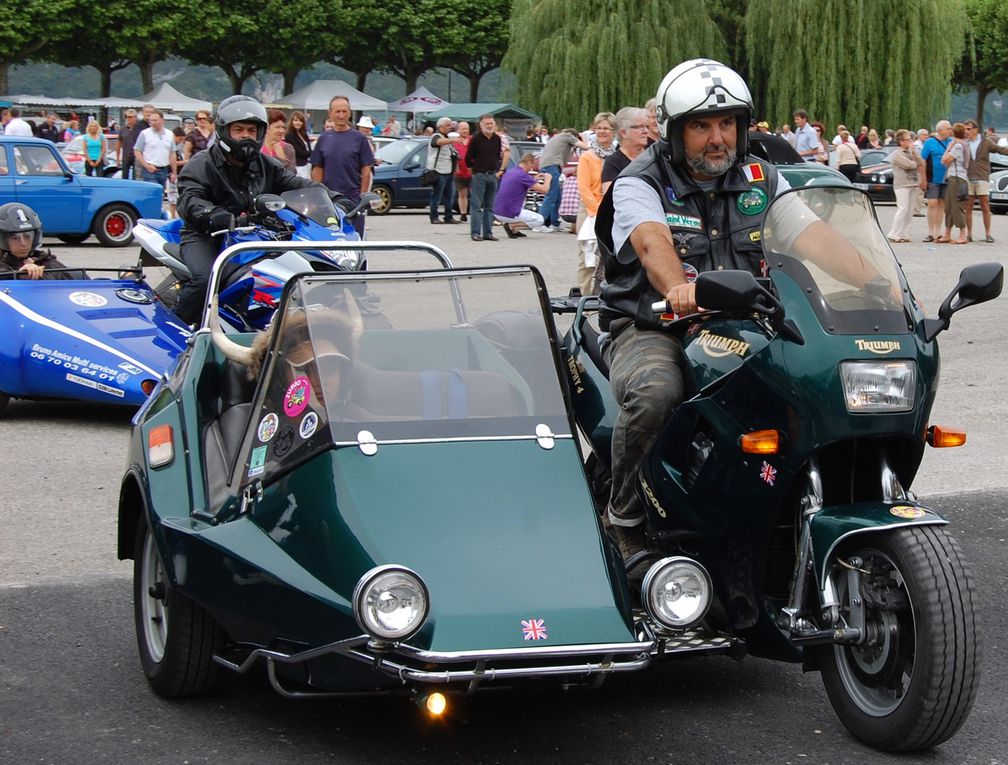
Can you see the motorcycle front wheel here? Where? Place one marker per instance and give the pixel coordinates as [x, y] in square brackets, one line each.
[912, 683]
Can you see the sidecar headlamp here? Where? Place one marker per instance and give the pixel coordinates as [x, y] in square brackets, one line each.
[879, 386]
[390, 602]
[676, 592]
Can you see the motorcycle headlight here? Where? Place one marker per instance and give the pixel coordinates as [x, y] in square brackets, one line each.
[345, 259]
[879, 386]
[391, 602]
[676, 592]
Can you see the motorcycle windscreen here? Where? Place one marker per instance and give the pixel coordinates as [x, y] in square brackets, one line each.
[314, 203]
[404, 357]
[828, 240]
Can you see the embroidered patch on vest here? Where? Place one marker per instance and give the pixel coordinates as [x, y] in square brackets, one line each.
[683, 221]
[751, 202]
[672, 198]
[754, 172]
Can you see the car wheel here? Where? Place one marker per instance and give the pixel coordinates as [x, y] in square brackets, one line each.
[113, 225]
[73, 238]
[386, 200]
[177, 639]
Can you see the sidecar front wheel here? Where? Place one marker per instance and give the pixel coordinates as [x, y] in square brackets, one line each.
[912, 684]
[176, 638]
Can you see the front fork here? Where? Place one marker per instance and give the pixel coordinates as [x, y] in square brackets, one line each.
[802, 630]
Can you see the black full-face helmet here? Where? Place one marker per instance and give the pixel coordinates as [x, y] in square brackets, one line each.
[701, 87]
[241, 109]
[16, 218]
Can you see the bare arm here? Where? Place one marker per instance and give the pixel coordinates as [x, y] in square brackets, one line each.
[316, 174]
[652, 241]
[365, 178]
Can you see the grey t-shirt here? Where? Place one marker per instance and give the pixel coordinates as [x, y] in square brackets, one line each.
[557, 149]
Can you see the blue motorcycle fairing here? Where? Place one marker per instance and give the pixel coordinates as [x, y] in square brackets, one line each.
[95, 340]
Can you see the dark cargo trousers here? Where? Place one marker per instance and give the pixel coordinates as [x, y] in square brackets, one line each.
[645, 369]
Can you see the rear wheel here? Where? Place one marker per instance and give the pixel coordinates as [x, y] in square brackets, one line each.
[113, 225]
[73, 238]
[912, 683]
[386, 200]
[177, 639]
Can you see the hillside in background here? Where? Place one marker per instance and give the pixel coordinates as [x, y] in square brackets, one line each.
[209, 83]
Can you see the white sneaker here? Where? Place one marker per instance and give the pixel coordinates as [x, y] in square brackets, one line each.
[543, 229]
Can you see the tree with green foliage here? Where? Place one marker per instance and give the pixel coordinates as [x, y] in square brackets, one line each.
[869, 63]
[102, 32]
[478, 46]
[984, 65]
[354, 43]
[229, 38]
[571, 60]
[416, 33]
[293, 46]
[158, 31]
[28, 26]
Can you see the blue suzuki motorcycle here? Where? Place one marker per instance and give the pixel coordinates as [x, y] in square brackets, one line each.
[251, 288]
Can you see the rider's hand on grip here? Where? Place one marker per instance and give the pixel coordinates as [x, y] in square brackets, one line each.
[221, 220]
[682, 299]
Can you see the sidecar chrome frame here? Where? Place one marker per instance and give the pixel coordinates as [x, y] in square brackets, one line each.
[413, 665]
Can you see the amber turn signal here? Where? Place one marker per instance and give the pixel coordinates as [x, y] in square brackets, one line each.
[160, 449]
[761, 442]
[944, 438]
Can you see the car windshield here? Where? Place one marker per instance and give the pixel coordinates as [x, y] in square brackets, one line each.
[417, 357]
[828, 241]
[394, 152]
[313, 202]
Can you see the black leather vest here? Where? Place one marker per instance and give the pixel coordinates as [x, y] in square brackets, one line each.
[710, 230]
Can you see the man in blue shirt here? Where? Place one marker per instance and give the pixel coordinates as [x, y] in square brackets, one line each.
[807, 142]
[933, 184]
[342, 157]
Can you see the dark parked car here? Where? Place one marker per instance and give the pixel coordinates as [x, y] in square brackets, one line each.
[796, 171]
[397, 176]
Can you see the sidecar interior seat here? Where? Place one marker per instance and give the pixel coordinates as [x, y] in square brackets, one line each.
[223, 434]
[435, 394]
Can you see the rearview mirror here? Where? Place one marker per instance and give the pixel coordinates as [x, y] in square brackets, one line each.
[272, 203]
[978, 283]
[727, 290]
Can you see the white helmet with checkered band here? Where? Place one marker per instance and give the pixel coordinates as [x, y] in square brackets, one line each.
[701, 87]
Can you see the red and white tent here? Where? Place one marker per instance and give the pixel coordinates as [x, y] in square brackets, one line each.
[420, 100]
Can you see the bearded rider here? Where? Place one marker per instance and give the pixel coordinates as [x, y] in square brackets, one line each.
[221, 183]
[693, 201]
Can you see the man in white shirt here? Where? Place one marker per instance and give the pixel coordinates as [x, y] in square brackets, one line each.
[17, 126]
[806, 139]
[155, 151]
[788, 134]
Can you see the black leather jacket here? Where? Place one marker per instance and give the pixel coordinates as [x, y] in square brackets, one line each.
[9, 265]
[208, 183]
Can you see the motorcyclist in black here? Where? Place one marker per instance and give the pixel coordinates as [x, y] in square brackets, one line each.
[20, 240]
[221, 183]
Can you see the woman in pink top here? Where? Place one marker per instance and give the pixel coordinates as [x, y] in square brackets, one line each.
[274, 144]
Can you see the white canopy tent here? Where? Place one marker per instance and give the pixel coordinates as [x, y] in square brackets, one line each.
[25, 99]
[318, 94]
[164, 96]
[420, 100]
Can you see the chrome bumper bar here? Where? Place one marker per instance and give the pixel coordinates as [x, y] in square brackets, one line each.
[414, 665]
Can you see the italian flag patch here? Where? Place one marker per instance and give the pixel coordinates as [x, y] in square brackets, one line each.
[754, 172]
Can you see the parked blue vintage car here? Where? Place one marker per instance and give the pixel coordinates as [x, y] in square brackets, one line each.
[71, 206]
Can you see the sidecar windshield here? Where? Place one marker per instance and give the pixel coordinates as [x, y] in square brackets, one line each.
[828, 240]
[314, 203]
[418, 357]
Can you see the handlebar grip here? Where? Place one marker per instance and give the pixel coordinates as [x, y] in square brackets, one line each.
[661, 306]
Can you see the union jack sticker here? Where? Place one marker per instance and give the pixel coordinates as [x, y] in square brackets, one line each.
[534, 629]
[754, 172]
[768, 473]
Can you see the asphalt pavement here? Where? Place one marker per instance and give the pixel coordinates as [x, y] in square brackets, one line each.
[71, 689]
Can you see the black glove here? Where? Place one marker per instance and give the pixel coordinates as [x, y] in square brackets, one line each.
[220, 219]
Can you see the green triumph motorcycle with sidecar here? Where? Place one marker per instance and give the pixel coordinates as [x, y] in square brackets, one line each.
[400, 501]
